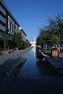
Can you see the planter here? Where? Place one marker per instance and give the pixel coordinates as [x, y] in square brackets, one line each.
[55, 53]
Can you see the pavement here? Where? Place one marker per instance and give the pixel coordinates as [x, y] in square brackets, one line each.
[16, 54]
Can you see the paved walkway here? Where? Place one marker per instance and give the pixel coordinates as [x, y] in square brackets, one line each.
[14, 55]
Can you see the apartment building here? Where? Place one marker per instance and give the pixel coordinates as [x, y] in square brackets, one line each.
[8, 23]
[23, 34]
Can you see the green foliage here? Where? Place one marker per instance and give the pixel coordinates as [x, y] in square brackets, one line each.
[53, 33]
[44, 37]
[39, 41]
[11, 43]
[20, 45]
[17, 40]
[27, 43]
[55, 39]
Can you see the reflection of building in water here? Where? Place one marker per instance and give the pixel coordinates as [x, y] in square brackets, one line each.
[34, 42]
[15, 68]
[34, 50]
[34, 46]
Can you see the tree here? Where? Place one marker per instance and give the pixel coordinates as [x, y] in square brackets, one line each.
[43, 37]
[53, 33]
[17, 39]
[27, 43]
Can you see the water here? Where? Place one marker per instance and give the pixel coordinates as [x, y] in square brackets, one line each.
[35, 66]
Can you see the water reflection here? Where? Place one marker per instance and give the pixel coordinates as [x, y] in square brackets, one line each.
[35, 66]
[44, 67]
[38, 54]
[34, 51]
[15, 70]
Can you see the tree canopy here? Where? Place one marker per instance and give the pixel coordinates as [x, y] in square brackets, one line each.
[53, 33]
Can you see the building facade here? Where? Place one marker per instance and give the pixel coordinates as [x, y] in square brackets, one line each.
[8, 23]
[23, 34]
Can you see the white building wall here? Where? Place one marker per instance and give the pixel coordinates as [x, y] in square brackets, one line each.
[10, 20]
[13, 24]
[17, 30]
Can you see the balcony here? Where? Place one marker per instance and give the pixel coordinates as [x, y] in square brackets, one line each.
[2, 10]
[2, 27]
[2, 19]
[9, 32]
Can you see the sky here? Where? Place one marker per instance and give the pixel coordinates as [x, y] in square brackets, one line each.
[33, 14]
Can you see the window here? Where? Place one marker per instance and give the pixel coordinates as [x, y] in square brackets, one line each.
[11, 26]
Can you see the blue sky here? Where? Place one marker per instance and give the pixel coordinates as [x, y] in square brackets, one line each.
[33, 14]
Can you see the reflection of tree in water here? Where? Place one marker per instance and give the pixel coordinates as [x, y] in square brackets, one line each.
[45, 69]
[38, 54]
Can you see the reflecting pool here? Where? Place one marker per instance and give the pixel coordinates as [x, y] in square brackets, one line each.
[35, 66]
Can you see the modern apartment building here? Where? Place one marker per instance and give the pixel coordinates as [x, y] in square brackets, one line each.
[23, 34]
[8, 23]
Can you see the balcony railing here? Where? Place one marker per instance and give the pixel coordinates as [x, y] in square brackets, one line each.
[9, 32]
[2, 27]
[2, 10]
[2, 19]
